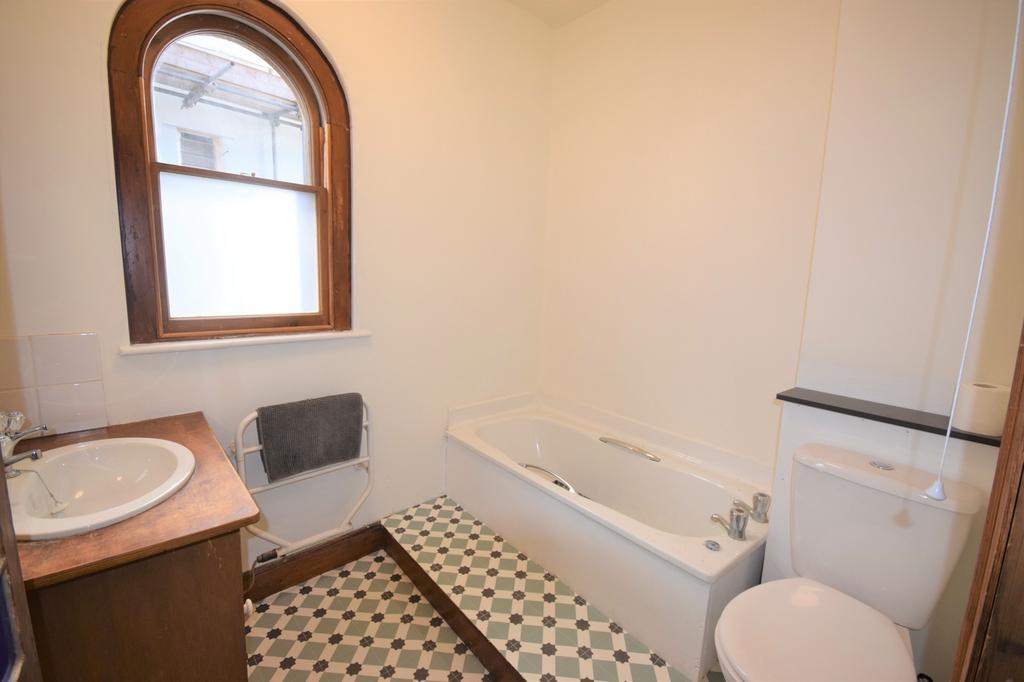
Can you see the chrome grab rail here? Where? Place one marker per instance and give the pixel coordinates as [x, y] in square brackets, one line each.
[559, 481]
[635, 449]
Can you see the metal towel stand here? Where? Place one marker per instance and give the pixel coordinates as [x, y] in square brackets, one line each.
[286, 547]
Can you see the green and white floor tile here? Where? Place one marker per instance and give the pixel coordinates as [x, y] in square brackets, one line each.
[362, 622]
[542, 627]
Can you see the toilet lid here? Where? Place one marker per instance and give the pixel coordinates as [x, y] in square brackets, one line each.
[798, 629]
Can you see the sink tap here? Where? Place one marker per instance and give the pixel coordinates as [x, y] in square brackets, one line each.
[736, 526]
[759, 511]
[29, 454]
[10, 422]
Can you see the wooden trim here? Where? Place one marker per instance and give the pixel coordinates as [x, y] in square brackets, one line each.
[141, 29]
[161, 167]
[303, 565]
[497, 665]
[1003, 503]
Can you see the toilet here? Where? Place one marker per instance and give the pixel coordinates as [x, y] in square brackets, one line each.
[873, 555]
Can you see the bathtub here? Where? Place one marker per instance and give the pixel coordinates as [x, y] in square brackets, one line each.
[629, 533]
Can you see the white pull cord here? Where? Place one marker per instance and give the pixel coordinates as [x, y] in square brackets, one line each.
[937, 491]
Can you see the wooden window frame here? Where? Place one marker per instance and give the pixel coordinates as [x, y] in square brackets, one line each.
[140, 31]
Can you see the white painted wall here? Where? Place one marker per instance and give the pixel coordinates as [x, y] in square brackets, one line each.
[449, 107]
[994, 345]
[686, 150]
[917, 108]
[681, 227]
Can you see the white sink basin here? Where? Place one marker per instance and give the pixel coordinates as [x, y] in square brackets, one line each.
[95, 484]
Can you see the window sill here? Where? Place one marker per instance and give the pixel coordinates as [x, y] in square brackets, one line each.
[238, 341]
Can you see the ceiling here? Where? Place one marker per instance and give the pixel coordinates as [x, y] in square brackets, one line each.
[558, 12]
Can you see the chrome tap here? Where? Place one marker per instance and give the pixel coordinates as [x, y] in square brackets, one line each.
[10, 422]
[736, 527]
[759, 511]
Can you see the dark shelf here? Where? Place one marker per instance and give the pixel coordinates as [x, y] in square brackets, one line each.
[880, 412]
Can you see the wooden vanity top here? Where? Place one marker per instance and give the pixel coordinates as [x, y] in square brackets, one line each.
[214, 501]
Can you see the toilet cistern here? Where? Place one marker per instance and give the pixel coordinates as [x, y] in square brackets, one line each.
[871, 555]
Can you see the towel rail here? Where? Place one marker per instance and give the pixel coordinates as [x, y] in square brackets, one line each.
[285, 547]
[362, 461]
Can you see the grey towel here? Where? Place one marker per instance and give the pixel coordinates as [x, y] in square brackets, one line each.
[309, 434]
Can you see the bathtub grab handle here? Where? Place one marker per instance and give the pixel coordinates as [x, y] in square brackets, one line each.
[635, 449]
[559, 481]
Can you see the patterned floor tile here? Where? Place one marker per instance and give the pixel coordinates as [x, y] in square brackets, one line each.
[362, 622]
[547, 631]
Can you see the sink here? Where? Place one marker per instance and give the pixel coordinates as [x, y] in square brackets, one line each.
[85, 486]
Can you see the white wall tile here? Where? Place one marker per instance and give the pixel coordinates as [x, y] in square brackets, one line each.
[23, 400]
[15, 363]
[73, 407]
[66, 358]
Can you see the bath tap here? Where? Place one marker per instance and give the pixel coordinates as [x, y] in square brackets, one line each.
[10, 422]
[736, 527]
[759, 511]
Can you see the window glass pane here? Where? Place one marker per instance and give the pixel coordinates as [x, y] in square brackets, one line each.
[217, 94]
[237, 249]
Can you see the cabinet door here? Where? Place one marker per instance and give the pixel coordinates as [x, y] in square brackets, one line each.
[18, 658]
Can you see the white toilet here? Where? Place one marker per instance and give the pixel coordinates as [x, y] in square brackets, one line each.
[873, 555]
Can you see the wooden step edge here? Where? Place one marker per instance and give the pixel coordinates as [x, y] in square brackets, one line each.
[272, 577]
[269, 578]
[491, 658]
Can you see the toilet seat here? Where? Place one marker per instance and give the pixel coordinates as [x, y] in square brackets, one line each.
[798, 630]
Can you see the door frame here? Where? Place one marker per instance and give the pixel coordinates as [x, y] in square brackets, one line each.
[1005, 503]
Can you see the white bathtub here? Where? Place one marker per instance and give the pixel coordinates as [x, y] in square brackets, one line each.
[636, 548]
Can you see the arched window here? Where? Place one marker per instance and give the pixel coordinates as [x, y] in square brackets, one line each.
[231, 145]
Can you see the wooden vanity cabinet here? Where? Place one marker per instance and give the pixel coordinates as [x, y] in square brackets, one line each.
[174, 616]
[157, 596]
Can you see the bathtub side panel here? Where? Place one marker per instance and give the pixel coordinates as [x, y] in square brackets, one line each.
[662, 605]
[743, 575]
